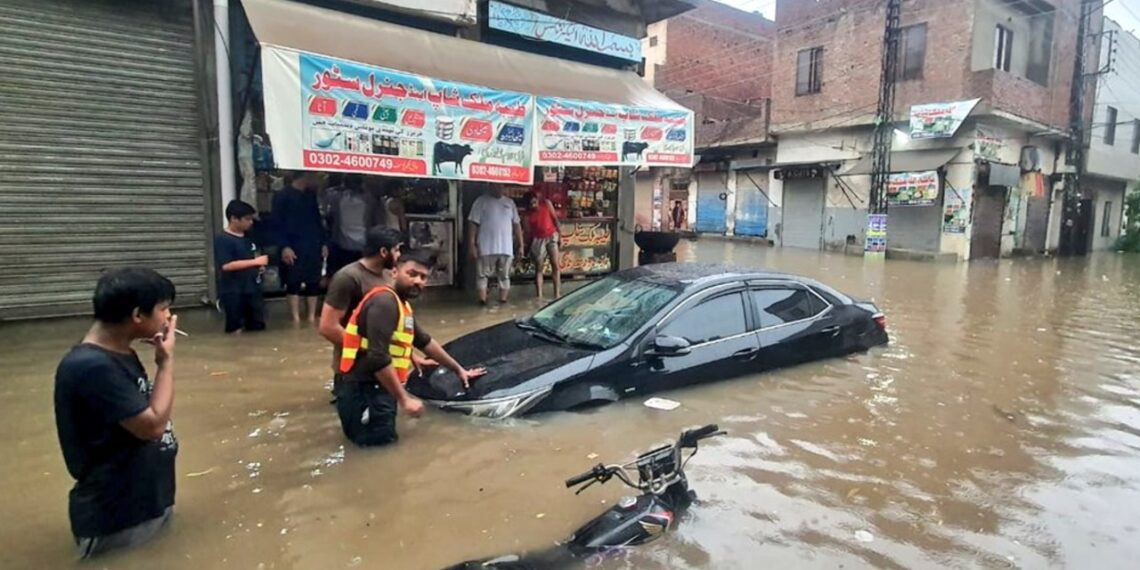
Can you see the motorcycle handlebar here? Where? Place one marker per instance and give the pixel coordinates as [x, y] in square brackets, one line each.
[579, 479]
[690, 437]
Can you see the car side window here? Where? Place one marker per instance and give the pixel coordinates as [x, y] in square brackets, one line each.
[780, 305]
[714, 319]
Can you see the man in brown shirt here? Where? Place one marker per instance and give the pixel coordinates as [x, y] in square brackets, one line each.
[352, 282]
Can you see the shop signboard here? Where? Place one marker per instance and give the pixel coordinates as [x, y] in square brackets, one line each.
[330, 114]
[989, 143]
[939, 120]
[546, 28]
[912, 188]
[579, 133]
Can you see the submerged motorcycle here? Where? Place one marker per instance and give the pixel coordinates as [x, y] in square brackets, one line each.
[665, 495]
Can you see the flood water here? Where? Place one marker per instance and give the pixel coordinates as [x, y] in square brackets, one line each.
[1000, 429]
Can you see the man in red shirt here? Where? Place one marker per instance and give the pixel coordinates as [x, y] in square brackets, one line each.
[542, 224]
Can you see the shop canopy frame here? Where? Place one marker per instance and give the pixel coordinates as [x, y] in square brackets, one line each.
[293, 26]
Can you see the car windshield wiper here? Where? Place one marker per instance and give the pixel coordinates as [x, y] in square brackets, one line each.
[536, 327]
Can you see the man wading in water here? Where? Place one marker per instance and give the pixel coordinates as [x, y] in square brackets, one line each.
[376, 357]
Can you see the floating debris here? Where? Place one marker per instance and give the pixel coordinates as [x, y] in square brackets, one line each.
[201, 473]
[662, 404]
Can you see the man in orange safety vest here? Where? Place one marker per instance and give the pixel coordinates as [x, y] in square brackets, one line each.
[376, 357]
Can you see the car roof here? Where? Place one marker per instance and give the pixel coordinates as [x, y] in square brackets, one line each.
[701, 275]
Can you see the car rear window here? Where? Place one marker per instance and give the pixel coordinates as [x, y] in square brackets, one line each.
[782, 305]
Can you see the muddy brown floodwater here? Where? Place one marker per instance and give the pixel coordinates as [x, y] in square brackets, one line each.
[1001, 428]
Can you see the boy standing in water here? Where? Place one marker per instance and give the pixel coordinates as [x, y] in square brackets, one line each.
[239, 271]
[113, 423]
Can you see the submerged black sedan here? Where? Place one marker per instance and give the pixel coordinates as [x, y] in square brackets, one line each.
[647, 329]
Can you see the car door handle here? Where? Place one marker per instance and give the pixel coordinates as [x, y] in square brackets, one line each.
[832, 330]
[746, 353]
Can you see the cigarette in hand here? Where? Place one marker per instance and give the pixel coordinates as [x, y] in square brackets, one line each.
[181, 332]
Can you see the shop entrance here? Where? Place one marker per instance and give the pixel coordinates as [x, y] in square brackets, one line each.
[989, 213]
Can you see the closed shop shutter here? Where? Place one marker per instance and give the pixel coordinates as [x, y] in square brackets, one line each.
[803, 213]
[711, 204]
[751, 204]
[100, 150]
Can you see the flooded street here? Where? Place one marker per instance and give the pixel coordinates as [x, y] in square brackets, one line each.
[1000, 429]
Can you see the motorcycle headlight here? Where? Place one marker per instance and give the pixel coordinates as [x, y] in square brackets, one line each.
[505, 407]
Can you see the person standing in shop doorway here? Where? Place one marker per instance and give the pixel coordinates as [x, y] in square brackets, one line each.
[494, 237]
[542, 227]
[351, 212]
[303, 248]
[391, 211]
[113, 423]
[678, 215]
[239, 271]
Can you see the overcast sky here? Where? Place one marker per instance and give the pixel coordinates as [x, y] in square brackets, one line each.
[1127, 12]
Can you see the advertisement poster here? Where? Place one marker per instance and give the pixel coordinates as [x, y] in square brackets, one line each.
[989, 143]
[912, 188]
[335, 115]
[939, 120]
[875, 241]
[956, 210]
[575, 133]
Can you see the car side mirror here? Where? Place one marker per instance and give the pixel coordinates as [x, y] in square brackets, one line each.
[665, 346]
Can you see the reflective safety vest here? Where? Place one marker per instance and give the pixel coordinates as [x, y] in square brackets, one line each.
[399, 347]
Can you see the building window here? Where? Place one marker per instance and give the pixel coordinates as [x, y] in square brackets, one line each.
[652, 41]
[1110, 126]
[912, 52]
[1136, 136]
[1003, 48]
[1040, 48]
[1106, 222]
[809, 71]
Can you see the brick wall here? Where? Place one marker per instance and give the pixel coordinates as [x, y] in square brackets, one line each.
[718, 51]
[851, 32]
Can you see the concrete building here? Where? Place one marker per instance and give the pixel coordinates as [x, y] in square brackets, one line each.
[717, 61]
[1114, 145]
[987, 190]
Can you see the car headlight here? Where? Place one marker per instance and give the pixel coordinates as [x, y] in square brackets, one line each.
[497, 407]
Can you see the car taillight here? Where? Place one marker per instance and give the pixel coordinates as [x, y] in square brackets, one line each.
[881, 320]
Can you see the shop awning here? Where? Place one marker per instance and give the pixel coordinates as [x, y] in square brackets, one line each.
[351, 94]
[907, 161]
[302, 27]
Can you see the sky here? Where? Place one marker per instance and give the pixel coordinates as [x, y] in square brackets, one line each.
[1126, 12]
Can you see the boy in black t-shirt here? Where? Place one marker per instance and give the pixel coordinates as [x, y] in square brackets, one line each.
[113, 423]
[239, 271]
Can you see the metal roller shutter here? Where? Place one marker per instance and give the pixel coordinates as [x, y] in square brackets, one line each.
[711, 189]
[803, 213]
[100, 150]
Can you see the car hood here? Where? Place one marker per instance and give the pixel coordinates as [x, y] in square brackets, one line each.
[516, 360]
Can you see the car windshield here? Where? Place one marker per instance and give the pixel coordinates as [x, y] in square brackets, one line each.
[605, 312]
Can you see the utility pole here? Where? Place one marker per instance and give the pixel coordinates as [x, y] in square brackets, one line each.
[876, 236]
[1071, 214]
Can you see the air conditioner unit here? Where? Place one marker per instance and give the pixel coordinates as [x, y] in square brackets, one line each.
[1030, 159]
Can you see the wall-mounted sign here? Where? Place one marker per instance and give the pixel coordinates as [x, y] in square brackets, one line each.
[912, 188]
[799, 172]
[939, 120]
[576, 133]
[543, 27]
[336, 115]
